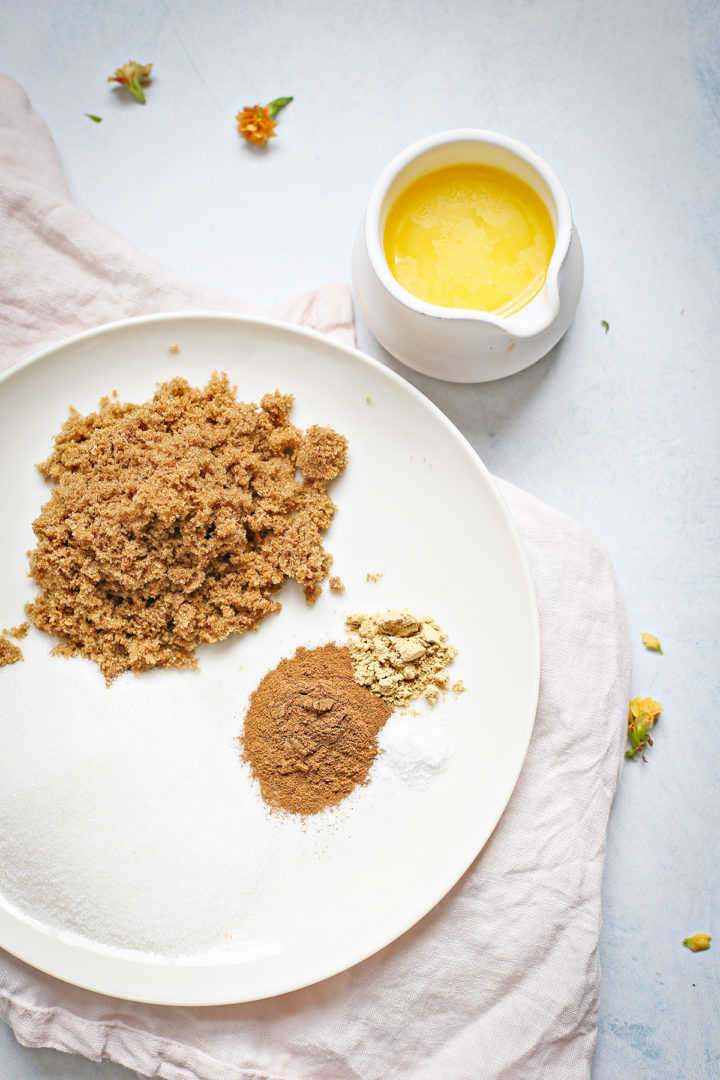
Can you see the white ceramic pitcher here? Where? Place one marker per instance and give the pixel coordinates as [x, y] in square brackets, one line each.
[455, 343]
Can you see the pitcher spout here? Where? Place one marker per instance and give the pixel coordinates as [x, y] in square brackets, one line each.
[537, 316]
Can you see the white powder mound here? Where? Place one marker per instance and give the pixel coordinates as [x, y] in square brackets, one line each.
[415, 748]
[136, 833]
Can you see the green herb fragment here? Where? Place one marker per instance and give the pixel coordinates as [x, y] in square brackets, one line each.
[278, 104]
[605, 325]
[97, 119]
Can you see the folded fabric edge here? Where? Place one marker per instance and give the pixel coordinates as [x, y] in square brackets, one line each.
[147, 1054]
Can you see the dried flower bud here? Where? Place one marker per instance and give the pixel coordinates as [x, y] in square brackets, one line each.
[134, 77]
[698, 942]
[256, 123]
[651, 642]
[641, 716]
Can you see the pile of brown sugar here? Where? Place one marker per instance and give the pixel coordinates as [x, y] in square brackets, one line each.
[311, 731]
[175, 522]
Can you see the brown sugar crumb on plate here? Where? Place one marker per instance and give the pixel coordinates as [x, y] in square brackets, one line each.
[9, 652]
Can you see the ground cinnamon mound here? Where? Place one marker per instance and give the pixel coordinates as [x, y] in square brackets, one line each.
[311, 731]
[175, 522]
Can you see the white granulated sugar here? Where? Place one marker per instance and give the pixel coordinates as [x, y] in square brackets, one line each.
[416, 748]
[136, 828]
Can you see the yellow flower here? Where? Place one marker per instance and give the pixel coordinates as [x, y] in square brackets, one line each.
[134, 77]
[642, 715]
[698, 942]
[651, 642]
[256, 123]
[644, 711]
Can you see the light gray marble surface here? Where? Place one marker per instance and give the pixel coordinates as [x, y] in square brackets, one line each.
[619, 429]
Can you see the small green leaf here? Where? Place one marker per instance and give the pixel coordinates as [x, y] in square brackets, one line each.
[96, 119]
[136, 89]
[278, 104]
[605, 325]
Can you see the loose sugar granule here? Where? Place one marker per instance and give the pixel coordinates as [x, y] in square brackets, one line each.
[9, 652]
[176, 521]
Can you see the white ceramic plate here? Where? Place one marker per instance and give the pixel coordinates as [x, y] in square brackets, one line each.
[107, 783]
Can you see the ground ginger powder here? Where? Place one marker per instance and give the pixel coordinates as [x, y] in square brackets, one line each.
[176, 521]
[400, 656]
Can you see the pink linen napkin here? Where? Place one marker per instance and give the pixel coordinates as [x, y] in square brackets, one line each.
[500, 981]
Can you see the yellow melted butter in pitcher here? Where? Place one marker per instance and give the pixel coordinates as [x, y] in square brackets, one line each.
[470, 236]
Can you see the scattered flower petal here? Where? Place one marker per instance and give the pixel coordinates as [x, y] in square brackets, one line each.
[698, 942]
[134, 77]
[256, 123]
[605, 325]
[651, 642]
[97, 119]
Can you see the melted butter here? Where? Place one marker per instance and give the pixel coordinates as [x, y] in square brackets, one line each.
[470, 236]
